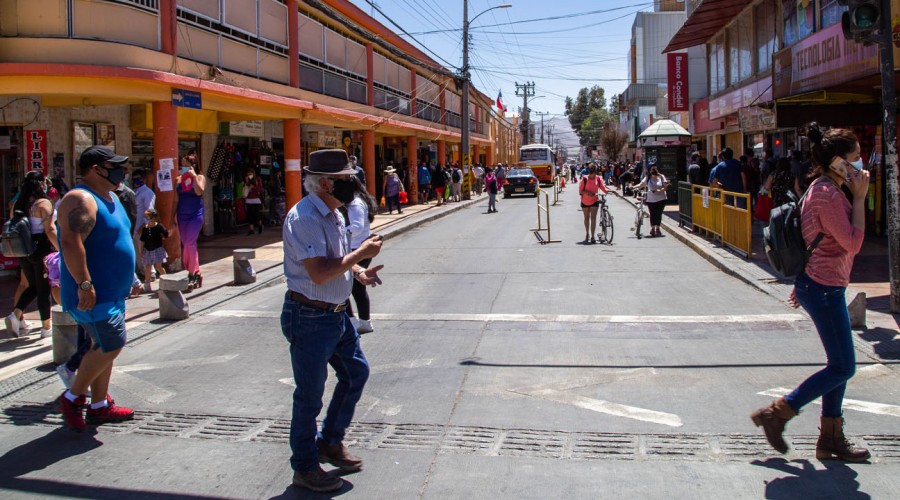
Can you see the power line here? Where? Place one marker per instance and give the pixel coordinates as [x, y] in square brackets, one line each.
[377, 9]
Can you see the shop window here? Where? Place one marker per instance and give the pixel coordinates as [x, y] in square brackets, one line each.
[831, 12]
[311, 79]
[766, 34]
[356, 92]
[799, 20]
[789, 14]
[335, 85]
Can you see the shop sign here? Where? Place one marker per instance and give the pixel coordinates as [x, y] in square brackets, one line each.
[702, 123]
[357, 136]
[329, 139]
[186, 99]
[37, 150]
[754, 93]
[756, 118]
[311, 137]
[781, 74]
[252, 128]
[826, 58]
[678, 81]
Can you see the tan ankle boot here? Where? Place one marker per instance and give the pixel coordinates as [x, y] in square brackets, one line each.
[833, 444]
[772, 419]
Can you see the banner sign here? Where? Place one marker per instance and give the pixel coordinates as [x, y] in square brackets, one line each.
[678, 81]
[826, 58]
[748, 95]
[37, 150]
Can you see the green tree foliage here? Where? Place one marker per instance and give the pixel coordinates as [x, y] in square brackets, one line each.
[614, 108]
[587, 114]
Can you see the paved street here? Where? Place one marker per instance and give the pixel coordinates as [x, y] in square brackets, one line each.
[501, 368]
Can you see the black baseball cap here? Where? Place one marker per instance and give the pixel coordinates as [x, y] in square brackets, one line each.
[97, 155]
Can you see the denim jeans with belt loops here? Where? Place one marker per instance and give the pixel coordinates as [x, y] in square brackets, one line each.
[318, 338]
[827, 307]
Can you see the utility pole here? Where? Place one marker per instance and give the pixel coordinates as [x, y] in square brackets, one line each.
[545, 113]
[527, 90]
[889, 105]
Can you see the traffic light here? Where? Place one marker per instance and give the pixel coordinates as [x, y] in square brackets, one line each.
[862, 19]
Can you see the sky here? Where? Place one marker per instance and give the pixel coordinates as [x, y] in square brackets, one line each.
[587, 45]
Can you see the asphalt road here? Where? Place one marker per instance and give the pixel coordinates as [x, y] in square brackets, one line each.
[501, 368]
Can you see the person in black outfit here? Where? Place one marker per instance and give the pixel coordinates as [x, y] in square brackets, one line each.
[154, 254]
[695, 171]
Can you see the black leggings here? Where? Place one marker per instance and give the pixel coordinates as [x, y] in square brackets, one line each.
[254, 214]
[656, 211]
[360, 295]
[38, 284]
[393, 201]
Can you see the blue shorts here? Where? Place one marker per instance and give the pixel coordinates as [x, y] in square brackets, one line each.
[107, 335]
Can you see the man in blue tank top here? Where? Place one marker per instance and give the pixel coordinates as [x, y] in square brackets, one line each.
[96, 271]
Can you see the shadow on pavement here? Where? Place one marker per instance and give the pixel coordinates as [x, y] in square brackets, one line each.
[884, 342]
[805, 481]
[295, 492]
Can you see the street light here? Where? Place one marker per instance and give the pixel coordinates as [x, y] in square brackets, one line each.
[466, 76]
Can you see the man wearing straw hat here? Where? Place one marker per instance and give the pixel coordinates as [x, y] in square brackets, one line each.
[391, 189]
[320, 269]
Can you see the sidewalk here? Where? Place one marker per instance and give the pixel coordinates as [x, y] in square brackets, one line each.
[18, 355]
[879, 340]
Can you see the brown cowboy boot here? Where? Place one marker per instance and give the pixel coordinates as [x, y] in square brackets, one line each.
[773, 418]
[339, 456]
[833, 444]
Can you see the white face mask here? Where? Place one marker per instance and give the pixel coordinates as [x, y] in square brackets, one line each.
[858, 164]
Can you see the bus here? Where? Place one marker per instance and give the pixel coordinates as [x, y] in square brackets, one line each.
[540, 159]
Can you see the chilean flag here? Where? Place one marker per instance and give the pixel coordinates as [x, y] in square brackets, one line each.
[500, 104]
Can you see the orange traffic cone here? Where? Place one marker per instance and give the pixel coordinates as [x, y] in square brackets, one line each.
[562, 182]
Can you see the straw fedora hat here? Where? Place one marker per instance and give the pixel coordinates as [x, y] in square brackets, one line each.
[390, 170]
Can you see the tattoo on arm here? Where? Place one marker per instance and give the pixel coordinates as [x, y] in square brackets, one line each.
[81, 221]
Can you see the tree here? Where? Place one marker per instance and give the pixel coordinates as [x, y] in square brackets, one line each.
[614, 108]
[592, 126]
[582, 108]
[612, 141]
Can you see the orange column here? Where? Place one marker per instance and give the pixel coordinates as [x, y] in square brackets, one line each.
[368, 156]
[293, 43]
[165, 150]
[167, 27]
[442, 152]
[292, 156]
[412, 189]
[370, 75]
[476, 152]
[490, 156]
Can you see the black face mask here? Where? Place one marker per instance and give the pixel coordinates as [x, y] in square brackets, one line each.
[343, 190]
[115, 176]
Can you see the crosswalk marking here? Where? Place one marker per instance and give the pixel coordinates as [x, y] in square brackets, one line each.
[849, 404]
[548, 318]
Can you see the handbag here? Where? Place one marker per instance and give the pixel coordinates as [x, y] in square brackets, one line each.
[763, 207]
[403, 197]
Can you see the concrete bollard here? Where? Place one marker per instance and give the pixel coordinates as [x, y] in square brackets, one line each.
[172, 305]
[857, 310]
[243, 271]
[65, 335]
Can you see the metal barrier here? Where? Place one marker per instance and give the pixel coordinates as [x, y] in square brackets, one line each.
[724, 216]
[684, 205]
[546, 209]
[557, 188]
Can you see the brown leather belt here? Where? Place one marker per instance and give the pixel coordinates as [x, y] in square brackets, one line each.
[318, 304]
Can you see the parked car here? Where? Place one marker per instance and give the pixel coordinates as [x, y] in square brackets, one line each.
[520, 181]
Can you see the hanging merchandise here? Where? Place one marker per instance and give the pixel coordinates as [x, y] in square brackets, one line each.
[217, 163]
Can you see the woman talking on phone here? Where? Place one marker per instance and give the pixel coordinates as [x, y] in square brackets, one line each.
[189, 214]
[839, 225]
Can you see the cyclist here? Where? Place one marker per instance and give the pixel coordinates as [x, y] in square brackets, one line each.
[656, 184]
[589, 189]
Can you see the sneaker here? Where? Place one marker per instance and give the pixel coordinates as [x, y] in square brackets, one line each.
[339, 456]
[67, 376]
[73, 412]
[46, 334]
[317, 480]
[13, 325]
[365, 326]
[24, 327]
[109, 414]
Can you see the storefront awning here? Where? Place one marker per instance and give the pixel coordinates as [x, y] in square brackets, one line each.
[707, 19]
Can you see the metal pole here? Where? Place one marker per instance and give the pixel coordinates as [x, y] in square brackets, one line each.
[464, 154]
[889, 105]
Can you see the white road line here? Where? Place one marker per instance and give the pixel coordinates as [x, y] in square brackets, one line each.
[141, 388]
[849, 404]
[546, 318]
[609, 408]
[177, 363]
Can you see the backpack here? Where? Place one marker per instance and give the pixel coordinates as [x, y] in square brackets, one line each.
[455, 176]
[16, 240]
[783, 238]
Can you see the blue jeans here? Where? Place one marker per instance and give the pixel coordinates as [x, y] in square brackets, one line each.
[492, 202]
[828, 309]
[318, 338]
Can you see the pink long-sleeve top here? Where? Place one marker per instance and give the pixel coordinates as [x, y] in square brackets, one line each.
[828, 211]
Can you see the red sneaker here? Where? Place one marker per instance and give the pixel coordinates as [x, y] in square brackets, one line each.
[73, 412]
[108, 414]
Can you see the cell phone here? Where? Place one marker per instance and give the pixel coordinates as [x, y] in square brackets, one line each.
[839, 166]
[376, 237]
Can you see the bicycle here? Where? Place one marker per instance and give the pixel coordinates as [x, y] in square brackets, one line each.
[605, 222]
[639, 216]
